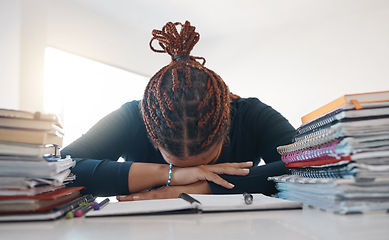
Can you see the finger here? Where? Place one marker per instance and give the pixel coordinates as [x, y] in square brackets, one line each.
[132, 197]
[160, 193]
[241, 164]
[235, 165]
[230, 171]
[212, 177]
[226, 169]
[123, 198]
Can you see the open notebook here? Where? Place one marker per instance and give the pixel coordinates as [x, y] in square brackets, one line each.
[199, 203]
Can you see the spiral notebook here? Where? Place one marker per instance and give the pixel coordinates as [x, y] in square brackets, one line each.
[340, 115]
[337, 195]
[339, 149]
[193, 203]
[371, 127]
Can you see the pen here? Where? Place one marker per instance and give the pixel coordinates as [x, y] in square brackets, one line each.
[248, 198]
[78, 204]
[83, 210]
[101, 204]
[71, 213]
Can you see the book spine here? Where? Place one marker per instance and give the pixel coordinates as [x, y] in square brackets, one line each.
[325, 161]
[324, 110]
[316, 153]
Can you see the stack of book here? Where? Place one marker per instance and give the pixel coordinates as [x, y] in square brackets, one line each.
[31, 168]
[339, 158]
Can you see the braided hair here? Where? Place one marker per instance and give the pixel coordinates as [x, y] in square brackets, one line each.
[185, 106]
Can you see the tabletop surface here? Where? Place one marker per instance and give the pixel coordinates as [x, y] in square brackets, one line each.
[286, 224]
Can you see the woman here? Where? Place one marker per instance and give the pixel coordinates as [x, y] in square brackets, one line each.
[188, 134]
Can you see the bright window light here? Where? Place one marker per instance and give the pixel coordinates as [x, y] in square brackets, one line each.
[82, 91]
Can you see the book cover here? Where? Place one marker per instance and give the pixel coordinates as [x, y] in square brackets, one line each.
[320, 162]
[40, 202]
[53, 214]
[354, 99]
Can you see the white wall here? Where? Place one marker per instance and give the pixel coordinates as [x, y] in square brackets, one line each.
[299, 67]
[300, 56]
[9, 53]
[33, 41]
[78, 29]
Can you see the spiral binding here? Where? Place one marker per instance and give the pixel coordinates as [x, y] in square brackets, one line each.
[316, 153]
[348, 170]
[322, 121]
[313, 133]
[331, 135]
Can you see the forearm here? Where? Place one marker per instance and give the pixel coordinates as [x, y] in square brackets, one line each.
[109, 178]
[143, 176]
[102, 177]
[200, 187]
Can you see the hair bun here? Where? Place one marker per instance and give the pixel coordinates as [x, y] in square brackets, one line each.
[177, 45]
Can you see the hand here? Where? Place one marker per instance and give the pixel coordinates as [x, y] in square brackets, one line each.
[201, 187]
[189, 175]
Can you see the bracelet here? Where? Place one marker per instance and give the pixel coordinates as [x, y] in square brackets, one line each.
[170, 174]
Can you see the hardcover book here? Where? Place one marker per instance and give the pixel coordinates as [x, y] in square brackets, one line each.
[40, 202]
[349, 99]
[31, 136]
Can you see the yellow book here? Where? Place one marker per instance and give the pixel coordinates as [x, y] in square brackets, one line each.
[31, 136]
[354, 99]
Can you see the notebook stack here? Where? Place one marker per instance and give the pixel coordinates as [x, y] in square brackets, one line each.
[32, 173]
[339, 158]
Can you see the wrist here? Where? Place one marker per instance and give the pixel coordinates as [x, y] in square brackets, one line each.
[163, 174]
[143, 176]
[169, 179]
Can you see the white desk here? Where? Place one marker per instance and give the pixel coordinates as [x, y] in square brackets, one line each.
[291, 224]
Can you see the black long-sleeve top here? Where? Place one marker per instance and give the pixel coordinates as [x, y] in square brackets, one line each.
[256, 131]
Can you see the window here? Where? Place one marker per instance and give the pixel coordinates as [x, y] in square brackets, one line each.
[82, 91]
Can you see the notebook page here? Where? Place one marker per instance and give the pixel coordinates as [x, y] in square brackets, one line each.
[235, 202]
[141, 207]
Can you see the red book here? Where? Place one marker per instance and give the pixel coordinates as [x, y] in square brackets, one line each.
[38, 203]
[317, 162]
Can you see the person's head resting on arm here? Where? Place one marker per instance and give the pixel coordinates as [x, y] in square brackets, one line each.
[186, 106]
